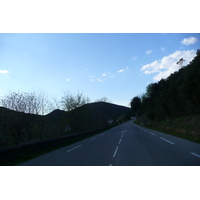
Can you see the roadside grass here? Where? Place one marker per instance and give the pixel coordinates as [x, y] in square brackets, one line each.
[42, 152]
[184, 136]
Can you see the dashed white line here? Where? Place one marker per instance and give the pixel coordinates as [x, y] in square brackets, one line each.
[120, 141]
[195, 154]
[93, 139]
[152, 133]
[115, 151]
[166, 140]
[73, 148]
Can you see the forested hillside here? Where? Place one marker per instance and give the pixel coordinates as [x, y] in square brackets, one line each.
[171, 98]
[19, 127]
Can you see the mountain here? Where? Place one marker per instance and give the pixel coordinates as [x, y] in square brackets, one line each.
[89, 116]
[17, 127]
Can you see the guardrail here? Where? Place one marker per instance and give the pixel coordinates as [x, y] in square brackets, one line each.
[15, 154]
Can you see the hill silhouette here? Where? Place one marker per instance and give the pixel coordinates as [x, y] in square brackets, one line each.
[174, 102]
[89, 116]
[17, 127]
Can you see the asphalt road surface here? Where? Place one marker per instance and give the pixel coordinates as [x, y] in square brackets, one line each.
[124, 145]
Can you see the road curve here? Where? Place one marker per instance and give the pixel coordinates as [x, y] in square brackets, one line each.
[125, 145]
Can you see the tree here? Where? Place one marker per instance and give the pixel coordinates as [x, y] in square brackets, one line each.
[135, 104]
[70, 101]
[21, 123]
[26, 102]
[103, 99]
[180, 62]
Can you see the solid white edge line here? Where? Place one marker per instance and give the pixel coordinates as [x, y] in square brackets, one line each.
[73, 148]
[166, 140]
[115, 151]
[195, 154]
[93, 138]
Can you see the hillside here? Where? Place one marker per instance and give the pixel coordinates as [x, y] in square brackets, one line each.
[89, 116]
[173, 100]
[17, 127]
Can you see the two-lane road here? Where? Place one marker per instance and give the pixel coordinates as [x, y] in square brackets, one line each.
[124, 145]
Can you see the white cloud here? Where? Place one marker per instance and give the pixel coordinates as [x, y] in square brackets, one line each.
[167, 64]
[123, 70]
[100, 80]
[148, 52]
[188, 41]
[91, 79]
[162, 48]
[4, 71]
[134, 58]
[68, 79]
[106, 74]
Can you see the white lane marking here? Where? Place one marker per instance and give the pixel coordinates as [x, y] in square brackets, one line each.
[195, 154]
[166, 140]
[93, 139]
[152, 133]
[115, 151]
[73, 148]
[102, 134]
[120, 141]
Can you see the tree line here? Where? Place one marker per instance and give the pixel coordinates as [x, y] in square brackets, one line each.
[176, 96]
[40, 103]
[23, 115]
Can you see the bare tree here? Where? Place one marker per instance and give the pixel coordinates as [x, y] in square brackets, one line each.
[70, 101]
[20, 124]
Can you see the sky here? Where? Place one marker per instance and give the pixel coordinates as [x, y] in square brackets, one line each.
[118, 66]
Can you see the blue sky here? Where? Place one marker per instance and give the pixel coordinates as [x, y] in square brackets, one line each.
[116, 65]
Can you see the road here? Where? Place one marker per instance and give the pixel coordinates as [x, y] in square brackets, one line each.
[125, 145]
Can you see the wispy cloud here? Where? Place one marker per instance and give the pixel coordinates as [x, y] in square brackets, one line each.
[134, 58]
[148, 52]
[123, 70]
[91, 79]
[4, 71]
[188, 41]
[162, 48]
[106, 74]
[68, 79]
[100, 80]
[167, 64]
